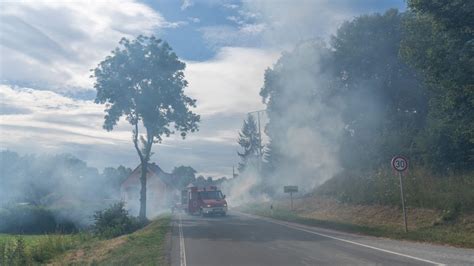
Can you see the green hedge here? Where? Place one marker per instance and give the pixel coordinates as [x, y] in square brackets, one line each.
[30, 219]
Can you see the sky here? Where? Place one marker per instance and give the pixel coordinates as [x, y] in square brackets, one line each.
[47, 49]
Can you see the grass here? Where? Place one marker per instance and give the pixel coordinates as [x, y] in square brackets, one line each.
[451, 234]
[36, 249]
[143, 247]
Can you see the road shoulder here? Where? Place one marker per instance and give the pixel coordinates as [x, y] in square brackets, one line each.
[437, 254]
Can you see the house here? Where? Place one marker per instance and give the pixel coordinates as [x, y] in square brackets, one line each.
[161, 192]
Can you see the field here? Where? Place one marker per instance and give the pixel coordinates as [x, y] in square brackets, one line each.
[27, 249]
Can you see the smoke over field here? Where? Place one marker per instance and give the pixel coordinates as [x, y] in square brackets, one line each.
[59, 187]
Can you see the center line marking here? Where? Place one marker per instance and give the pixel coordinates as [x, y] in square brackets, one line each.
[340, 239]
[182, 248]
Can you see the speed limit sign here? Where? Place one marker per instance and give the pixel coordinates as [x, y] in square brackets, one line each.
[399, 163]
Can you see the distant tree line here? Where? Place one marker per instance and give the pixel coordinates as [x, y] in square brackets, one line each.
[186, 175]
[52, 179]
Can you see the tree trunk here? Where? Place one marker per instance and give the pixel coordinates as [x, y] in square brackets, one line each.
[142, 214]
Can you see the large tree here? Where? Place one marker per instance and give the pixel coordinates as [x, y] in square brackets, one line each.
[385, 101]
[183, 175]
[143, 80]
[439, 41]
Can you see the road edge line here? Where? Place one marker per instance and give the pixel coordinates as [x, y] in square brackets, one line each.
[182, 247]
[295, 227]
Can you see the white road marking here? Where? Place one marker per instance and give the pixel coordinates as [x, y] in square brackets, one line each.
[341, 239]
[182, 248]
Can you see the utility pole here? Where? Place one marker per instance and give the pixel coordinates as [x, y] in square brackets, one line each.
[403, 202]
[234, 175]
[260, 152]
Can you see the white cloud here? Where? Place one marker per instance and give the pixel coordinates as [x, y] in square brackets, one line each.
[301, 18]
[53, 44]
[186, 3]
[282, 24]
[231, 82]
[194, 19]
[290, 22]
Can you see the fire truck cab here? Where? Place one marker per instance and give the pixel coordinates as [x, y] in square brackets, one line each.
[203, 201]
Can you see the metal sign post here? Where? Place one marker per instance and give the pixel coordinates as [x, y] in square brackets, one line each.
[400, 164]
[290, 189]
[291, 197]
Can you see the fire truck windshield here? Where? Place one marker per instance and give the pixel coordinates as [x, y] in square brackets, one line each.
[211, 195]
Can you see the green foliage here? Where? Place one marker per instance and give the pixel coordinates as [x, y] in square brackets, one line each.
[29, 219]
[385, 101]
[36, 249]
[115, 221]
[115, 177]
[144, 247]
[249, 141]
[438, 41]
[452, 194]
[14, 252]
[183, 175]
[402, 83]
[49, 246]
[143, 80]
[63, 181]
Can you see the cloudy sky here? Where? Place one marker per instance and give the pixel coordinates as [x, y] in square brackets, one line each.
[47, 49]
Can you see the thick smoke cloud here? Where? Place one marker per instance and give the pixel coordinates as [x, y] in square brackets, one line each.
[62, 183]
[305, 122]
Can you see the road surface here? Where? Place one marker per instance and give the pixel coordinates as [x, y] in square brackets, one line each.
[241, 239]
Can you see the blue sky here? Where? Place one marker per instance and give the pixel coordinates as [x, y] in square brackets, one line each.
[48, 47]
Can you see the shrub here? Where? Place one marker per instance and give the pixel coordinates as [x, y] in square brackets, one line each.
[114, 221]
[14, 252]
[49, 246]
[30, 219]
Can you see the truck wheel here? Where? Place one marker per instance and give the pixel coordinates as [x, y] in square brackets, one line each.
[224, 214]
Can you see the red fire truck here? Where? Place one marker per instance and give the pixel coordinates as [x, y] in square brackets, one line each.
[203, 201]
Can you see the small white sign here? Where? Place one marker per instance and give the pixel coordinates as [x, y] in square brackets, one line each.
[399, 163]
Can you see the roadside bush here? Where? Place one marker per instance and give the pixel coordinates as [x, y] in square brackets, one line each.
[30, 219]
[115, 221]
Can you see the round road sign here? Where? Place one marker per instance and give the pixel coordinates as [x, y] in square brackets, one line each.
[399, 163]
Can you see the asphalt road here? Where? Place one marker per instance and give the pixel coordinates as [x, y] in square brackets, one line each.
[241, 239]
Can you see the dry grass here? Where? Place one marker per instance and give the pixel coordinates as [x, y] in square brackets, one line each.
[425, 225]
[91, 253]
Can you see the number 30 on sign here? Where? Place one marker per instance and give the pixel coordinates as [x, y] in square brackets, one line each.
[399, 163]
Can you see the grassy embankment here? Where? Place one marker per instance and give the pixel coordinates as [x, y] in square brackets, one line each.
[425, 225]
[145, 246]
